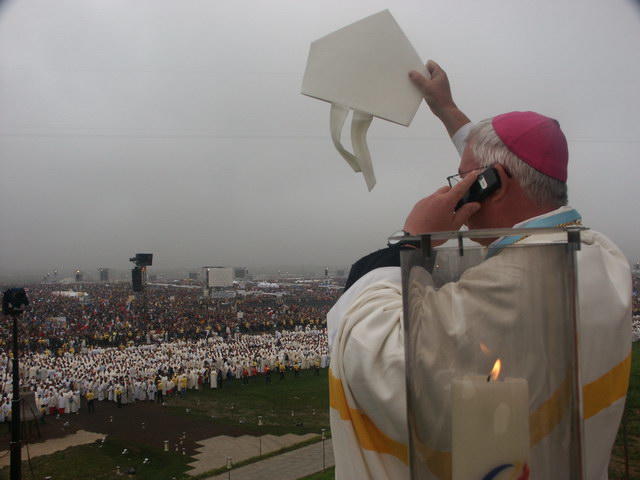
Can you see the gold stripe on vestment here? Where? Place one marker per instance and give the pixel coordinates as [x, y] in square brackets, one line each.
[549, 413]
[596, 396]
[609, 388]
[369, 436]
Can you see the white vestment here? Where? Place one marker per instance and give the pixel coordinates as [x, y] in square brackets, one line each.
[367, 384]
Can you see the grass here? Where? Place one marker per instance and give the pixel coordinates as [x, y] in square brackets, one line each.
[630, 428]
[235, 404]
[306, 396]
[99, 463]
[329, 474]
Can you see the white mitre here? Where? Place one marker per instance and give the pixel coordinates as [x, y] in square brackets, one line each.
[364, 67]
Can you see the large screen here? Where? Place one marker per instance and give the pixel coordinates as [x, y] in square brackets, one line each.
[219, 276]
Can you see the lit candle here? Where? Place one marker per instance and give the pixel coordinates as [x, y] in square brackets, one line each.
[490, 427]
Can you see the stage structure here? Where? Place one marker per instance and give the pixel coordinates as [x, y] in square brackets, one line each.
[491, 342]
[218, 277]
[216, 281]
[241, 273]
[104, 274]
[139, 279]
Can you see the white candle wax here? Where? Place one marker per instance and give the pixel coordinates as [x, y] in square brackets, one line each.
[490, 427]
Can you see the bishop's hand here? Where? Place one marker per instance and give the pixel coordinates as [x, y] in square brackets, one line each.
[437, 93]
[435, 213]
[436, 89]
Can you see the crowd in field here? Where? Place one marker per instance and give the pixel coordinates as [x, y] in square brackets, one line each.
[110, 346]
[110, 315]
[151, 372]
[113, 346]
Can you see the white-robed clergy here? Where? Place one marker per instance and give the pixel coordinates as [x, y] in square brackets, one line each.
[133, 371]
[214, 378]
[74, 400]
[151, 390]
[366, 377]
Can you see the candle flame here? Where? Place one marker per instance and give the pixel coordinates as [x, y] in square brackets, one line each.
[495, 371]
[484, 349]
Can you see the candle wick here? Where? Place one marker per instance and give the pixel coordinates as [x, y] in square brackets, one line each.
[489, 378]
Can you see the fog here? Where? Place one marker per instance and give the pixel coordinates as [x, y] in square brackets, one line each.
[177, 127]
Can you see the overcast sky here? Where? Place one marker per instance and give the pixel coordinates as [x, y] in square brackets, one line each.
[177, 127]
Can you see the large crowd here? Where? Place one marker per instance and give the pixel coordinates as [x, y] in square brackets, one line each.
[110, 315]
[102, 343]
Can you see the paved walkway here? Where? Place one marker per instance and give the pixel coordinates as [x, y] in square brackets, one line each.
[212, 452]
[81, 437]
[288, 466]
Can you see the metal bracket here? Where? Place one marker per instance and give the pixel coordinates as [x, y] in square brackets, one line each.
[425, 245]
[460, 248]
[573, 239]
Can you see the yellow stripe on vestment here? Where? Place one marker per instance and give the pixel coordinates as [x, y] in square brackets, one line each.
[596, 396]
[610, 387]
[549, 414]
[439, 463]
[369, 436]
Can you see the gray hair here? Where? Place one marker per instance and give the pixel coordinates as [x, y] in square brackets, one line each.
[489, 149]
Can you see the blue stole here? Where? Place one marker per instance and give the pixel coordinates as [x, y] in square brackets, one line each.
[559, 219]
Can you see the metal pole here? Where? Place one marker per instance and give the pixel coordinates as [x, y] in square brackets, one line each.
[577, 453]
[145, 308]
[323, 462]
[15, 444]
[260, 436]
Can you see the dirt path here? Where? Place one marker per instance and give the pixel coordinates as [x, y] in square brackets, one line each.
[288, 466]
[81, 437]
[213, 452]
[139, 423]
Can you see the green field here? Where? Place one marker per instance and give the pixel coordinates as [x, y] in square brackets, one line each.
[328, 475]
[236, 404]
[630, 429]
[100, 463]
[294, 405]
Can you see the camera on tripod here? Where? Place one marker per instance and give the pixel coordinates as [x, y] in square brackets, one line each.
[14, 301]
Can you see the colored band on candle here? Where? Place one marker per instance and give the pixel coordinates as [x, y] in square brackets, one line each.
[523, 469]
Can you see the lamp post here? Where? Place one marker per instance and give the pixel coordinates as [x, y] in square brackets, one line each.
[15, 443]
[14, 302]
[260, 436]
[323, 430]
